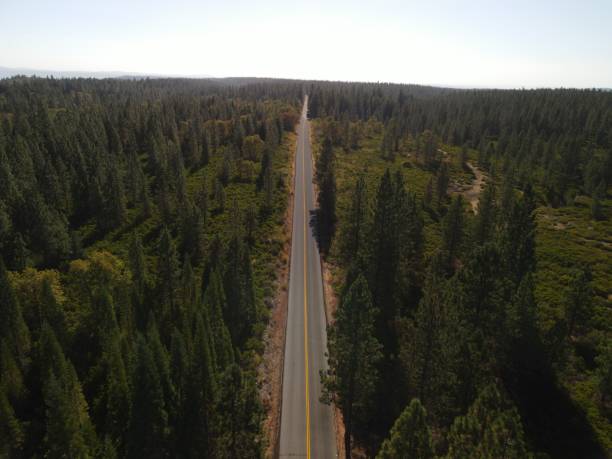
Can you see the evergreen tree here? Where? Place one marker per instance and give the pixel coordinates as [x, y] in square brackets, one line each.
[240, 415]
[12, 431]
[148, 427]
[69, 432]
[463, 156]
[114, 214]
[241, 312]
[191, 148]
[452, 229]
[518, 237]
[383, 252]
[579, 302]
[354, 353]
[141, 283]
[268, 189]
[410, 436]
[486, 217]
[214, 300]
[428, 196]
[195, 430]
[596, 206]
[192, 233]
[604, 376]
[326, 197]
[13, 329]
[442, 180]
[167, 281]
[491, 428]
[355, 227]
[220, 196]
[427, 352]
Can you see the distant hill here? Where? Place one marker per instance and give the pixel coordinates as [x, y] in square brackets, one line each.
[7, 72]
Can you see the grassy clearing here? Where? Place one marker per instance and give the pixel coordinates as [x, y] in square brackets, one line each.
[568, 237]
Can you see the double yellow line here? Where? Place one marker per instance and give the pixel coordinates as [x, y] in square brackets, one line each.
[305, 288]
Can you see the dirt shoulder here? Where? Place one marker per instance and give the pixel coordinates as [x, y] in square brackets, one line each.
[271, 368]
[331, 304]
[472, 194]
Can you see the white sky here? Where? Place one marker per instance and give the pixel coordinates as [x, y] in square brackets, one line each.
[477, 43]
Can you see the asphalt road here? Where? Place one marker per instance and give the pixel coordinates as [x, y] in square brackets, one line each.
[307, 427]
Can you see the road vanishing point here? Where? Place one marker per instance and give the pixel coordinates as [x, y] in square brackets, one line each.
[307, 424]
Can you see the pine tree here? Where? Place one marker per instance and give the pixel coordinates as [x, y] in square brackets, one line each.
[596, 207]
[463, 156]
[428, 196]
[240, 415]
[486, 217]
[241, 312]
[141, 283]
[452, 229]
[410, 437]
[108, 378]
[52, 312]
[354, 353]
[518, 237]
[442, 179]
[491, 428]
[579, 301]
[111, 406]
[355, 228]
[225, 171]
[167, 281]
[268, 189]
[188, 293]
[191, 148]
[197, 413]
[220, 196]
[12, 431]
[162, 361]
[114, 214]
[11, 376]
[138, 265]
[69, 432]
[409, 229]
[215, 303]
[604, 376]
[524, 354]
[426, 354]
[383, 253]
[148, 427]
[192, 232]
[13, 328]
[326, 198]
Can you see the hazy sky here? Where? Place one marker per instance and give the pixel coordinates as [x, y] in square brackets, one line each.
[501, 43]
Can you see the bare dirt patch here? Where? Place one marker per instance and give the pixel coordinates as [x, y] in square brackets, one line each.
[472, 194]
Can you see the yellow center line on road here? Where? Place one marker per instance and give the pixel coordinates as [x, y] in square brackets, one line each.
[305, 290]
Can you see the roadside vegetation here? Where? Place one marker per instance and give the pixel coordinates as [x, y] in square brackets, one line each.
[489, 332]
[141, 226]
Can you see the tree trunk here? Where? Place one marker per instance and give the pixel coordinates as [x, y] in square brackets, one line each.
[347, 440]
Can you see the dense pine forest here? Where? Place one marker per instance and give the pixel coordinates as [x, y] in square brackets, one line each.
[468, 328]
[140, 235]
[140, 229]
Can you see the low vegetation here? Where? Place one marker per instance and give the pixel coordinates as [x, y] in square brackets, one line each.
[494, 327]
